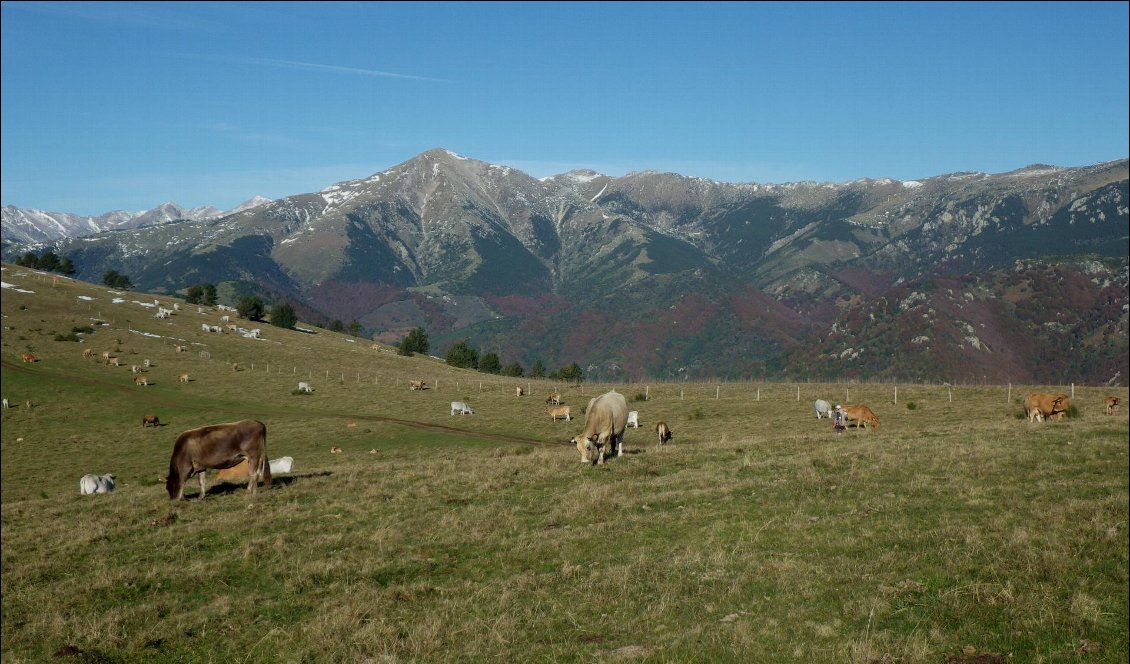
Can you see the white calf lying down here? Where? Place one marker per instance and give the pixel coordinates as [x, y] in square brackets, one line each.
[90, 484]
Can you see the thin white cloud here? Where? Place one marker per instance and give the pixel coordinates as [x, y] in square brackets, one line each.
[313, 66]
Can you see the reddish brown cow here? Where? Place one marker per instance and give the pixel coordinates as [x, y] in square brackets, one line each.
[1110, 405]
[861, 415]
[664, 431]
[1042, 407]
[219, 446]
[150, 421]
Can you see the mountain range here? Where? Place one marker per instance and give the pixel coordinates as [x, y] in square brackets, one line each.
[972, 277]
[29, 226]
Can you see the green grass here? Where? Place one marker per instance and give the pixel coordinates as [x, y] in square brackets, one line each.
[756, 535]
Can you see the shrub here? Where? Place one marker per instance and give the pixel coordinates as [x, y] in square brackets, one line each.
[910, 405]
[67, 337]
[85, 329]
[697, 414]
[640, 396]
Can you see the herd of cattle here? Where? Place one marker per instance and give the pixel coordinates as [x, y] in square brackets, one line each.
[238, 450]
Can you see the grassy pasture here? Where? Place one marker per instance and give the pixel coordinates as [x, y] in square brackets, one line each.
[957, 531]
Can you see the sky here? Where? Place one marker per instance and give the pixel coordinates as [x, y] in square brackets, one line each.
[124, 106]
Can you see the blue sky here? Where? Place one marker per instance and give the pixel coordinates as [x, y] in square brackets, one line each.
[111, 106]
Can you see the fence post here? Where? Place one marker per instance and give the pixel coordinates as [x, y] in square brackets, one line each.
[798, 392]
[896, 394]
[1009, 393]
[759, 394]
[717, 391]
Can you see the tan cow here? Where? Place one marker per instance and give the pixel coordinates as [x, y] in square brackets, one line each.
[606, 417]
[335, 450]
[114, 362]
[519, 391]
[559, 411]
[554, 399]
[664, 431]
[183, 378]
[182, 349]
[140, 380]
[861, 415]
[418, 385]
[1111, 405]
[1041, 407]
[88, 353]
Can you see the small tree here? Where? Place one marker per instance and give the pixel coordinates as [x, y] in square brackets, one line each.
[571, 373]
[66, 266]
[537, 369]
[210, 294]
[514, 370]
[250, 307]
[337, 326]
[354, 328]
[29, 259]
[114, 280]
[415, 342]
[282, 315]
[194, 295]
[490, 363]
[463, 356]
[49, 261]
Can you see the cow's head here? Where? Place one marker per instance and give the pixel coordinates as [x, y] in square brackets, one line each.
[585, 445]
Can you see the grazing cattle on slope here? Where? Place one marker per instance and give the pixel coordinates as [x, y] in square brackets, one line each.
[305, 388]
[1110, 404]
[218, 446]
[861, 415]
[554, 399]
[823, 409]
[1042, 407]
[634, 418]
[140, 380]
[88, 353]
[606, 417]
[91, 484]
[183, 378]
[518, 391]
[418, 385]
[560, 411]
[461, 407]
[28, 357]
[150, 421]
[664, 431]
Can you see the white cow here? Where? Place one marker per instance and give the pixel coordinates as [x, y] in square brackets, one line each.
[461, 407]
[634, 418]
[281, 465]
[606, 417]
[90, 484]
[305, 387]
[823, 409]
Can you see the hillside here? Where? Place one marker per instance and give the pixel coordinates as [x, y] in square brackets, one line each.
[956, 531]
[661, 275]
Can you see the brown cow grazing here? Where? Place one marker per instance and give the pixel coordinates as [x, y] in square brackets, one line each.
[1042, 407]
[150, 421]
[606, 417]
[28, 357]
[183, 378]
[1111, 405]
[140, 380]
[218, 446]
[88, 353]
[664, 431]
[114, 362]
[418, 385]
[559, 411]
[554, 399]
[861, 415]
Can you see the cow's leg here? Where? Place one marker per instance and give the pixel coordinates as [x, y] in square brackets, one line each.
[203, 483]
[253, 471]
[620, 444]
